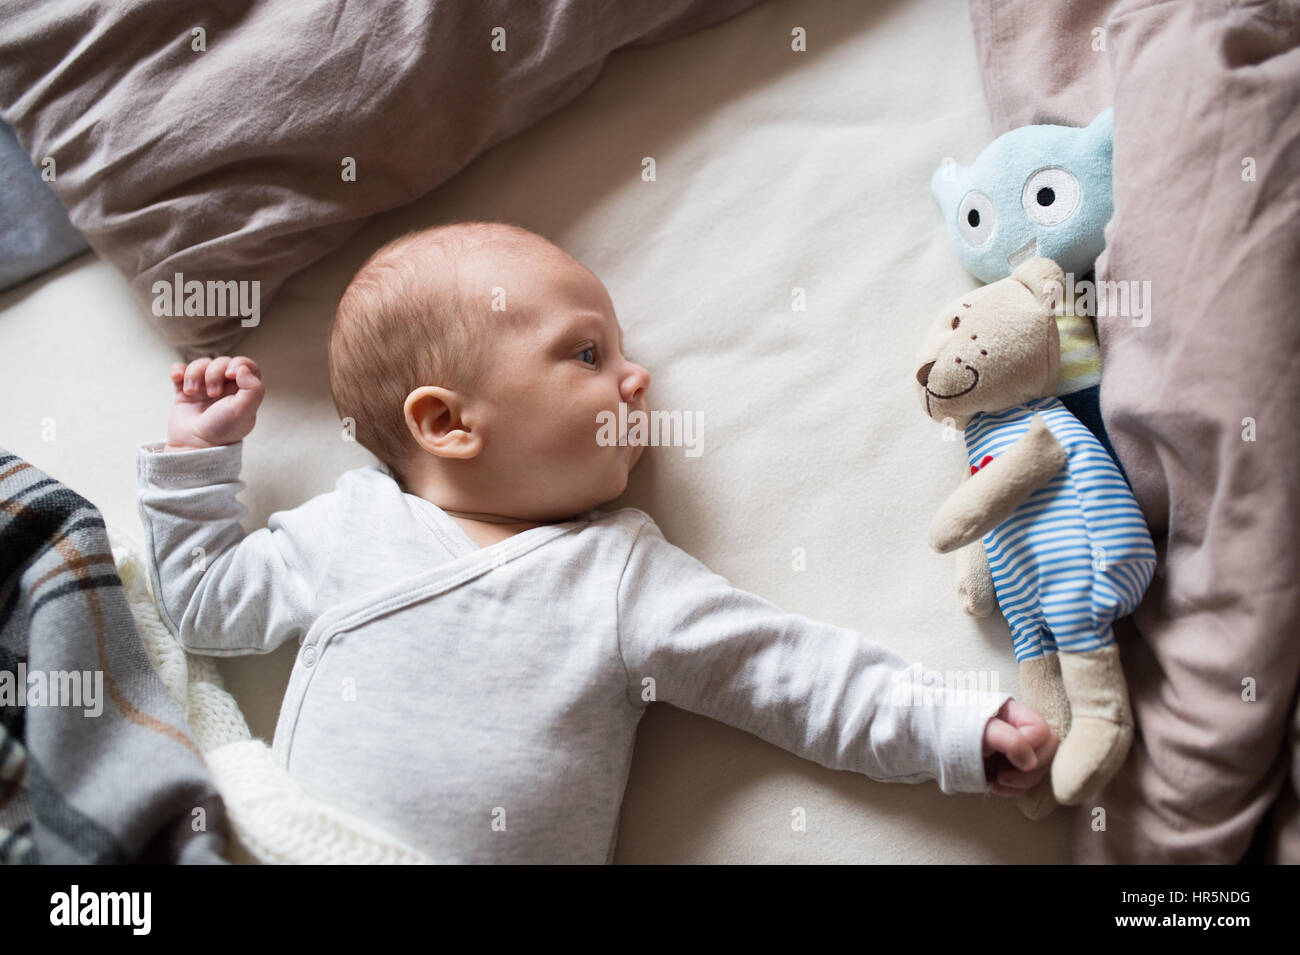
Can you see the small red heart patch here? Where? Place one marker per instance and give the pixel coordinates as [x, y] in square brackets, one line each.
[976, 467]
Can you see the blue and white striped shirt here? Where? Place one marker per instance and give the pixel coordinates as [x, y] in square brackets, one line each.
[1076, 555]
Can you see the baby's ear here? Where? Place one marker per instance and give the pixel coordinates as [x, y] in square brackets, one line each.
[1043, 278]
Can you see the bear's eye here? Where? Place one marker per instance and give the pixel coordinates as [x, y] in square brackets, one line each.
[955, 321]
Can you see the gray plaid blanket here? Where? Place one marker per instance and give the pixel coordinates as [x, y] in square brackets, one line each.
[97, 764]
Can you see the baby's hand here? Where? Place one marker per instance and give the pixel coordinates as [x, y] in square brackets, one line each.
[216, 402]
[1018, 749]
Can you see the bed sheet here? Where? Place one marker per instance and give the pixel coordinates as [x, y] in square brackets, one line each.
[775, 276]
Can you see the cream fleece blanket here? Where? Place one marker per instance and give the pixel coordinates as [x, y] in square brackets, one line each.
[775, 277]
[272, 820]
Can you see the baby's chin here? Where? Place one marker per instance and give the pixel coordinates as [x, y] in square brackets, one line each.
[579, 503]
[587, 494]
[619, 482]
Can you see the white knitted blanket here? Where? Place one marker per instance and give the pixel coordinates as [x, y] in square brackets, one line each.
[272, 819]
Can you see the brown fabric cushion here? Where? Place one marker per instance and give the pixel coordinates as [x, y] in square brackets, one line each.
[1199, 88]
[227, 164]
[1042, 62]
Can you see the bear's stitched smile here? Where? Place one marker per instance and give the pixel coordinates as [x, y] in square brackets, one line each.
[957, 394]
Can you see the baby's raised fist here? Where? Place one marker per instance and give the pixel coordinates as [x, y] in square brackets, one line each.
[216, 402]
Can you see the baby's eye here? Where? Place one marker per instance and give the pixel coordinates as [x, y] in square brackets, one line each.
[587, 355]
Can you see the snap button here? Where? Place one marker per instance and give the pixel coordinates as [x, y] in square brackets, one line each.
[308, 656]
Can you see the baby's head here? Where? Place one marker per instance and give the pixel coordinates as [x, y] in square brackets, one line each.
[474, 360]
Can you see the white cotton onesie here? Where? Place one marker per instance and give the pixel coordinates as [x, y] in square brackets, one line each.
[482, 703]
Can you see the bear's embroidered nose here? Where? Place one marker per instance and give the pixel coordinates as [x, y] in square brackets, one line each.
[923, 373]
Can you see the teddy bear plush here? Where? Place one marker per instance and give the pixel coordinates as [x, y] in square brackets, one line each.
[1044, 523]
[1040, 190]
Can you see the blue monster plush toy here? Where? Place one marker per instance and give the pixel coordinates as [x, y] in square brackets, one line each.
[1040, 191]
[1035, 191]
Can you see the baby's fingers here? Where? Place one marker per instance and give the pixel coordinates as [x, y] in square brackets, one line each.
[1015, 779]
[193, 376]
[1027, 720]
[214, 376]
[250, 386]
[1002, 737]
[250, 391]
[244, 361]
[1020, 780]
[1009, 791]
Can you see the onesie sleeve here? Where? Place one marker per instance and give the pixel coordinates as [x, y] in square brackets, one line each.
[220, 591]
[689, 638]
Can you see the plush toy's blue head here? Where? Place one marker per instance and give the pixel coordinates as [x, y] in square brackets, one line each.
[1034, 191]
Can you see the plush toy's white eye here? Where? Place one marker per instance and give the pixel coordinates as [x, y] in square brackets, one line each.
[1051, 195]
[976, 218]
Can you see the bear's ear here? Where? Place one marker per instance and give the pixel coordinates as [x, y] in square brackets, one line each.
[1044, 279]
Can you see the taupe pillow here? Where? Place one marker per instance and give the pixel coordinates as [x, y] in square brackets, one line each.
[214, 142]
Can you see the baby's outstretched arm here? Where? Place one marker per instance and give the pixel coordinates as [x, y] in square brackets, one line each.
[829, 694]
[220, 591]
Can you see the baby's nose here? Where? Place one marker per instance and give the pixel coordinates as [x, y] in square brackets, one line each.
[635, 384]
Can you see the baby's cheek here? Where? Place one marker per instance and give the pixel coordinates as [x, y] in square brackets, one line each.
[569, 451]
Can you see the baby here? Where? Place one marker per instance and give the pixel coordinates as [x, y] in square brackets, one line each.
[477, 642]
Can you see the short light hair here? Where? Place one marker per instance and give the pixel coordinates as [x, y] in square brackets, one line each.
[405, 320]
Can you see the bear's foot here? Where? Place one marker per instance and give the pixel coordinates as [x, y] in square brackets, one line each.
[1101, 725]
[1039, 802]
[1040, 681]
